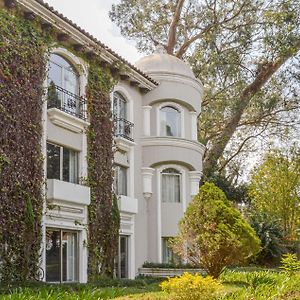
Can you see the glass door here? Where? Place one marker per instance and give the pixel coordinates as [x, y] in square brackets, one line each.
[123, 257]
[61, 256]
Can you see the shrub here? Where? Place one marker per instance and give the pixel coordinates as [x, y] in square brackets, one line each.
[191, 287]
[290, 264]
[213, 234]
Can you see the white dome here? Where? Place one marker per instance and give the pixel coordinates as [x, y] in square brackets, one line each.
[162, 63]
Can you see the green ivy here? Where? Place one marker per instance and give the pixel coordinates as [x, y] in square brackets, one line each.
[104, 219]
[22, 72]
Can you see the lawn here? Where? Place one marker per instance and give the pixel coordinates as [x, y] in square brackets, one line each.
[238, 285]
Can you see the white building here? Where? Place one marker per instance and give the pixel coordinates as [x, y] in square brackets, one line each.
[158, 160]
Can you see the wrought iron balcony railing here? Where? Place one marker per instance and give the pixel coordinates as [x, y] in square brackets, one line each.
[123, 128]
[66, 101]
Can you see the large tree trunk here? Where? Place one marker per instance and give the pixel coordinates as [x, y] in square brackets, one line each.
[216, 150]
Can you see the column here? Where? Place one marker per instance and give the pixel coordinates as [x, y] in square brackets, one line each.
[146, 120]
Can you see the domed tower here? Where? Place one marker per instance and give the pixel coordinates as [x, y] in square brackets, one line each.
[171, 153]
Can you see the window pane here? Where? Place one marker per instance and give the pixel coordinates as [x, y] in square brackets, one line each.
[120, 180]
[169, 121]
[168, 256]
[55, 74]
[70, 256]
[53, 255]
[119, 107]
[53, 161]
[70, 165]
[170, 186]
[123, 270]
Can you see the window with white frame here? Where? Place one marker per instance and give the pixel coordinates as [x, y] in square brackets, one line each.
[62, 163]
[170, 186]
[123, 127]
[120, 180]
[170, 121]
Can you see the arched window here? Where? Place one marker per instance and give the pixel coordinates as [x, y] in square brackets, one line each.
[63, 85]
[119, 106]
[170, 185]
[123, 128]
[170, 121]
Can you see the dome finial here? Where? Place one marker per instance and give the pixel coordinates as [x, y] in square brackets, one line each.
[160, 49]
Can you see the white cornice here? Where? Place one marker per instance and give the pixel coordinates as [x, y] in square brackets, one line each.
[173, 142]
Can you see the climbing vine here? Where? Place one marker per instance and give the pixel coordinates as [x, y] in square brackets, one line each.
[103, 211]
[22, 71]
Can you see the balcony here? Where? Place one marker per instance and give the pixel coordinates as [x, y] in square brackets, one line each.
[123, 129]
[66, 101]
[68, 192]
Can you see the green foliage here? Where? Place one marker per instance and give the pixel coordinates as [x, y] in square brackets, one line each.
[261, 285]
[270, 233]
[104, 217]
[233, 192]
[274, 189]
[167, 266]
[191, 287]
[213, 234]
[22, 71]
[290, 263]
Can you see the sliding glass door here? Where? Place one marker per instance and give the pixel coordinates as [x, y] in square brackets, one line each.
[61, 255]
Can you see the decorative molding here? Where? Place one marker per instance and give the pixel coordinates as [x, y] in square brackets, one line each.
[173, 142]
[66, 121]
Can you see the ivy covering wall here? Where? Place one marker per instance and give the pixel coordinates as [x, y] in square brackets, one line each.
[22, 71]
[23, 65]
[103, 211]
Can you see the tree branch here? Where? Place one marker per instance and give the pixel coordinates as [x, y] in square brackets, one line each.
[173, 27]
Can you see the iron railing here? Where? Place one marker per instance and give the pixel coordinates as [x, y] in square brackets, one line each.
[66, 101]
[123, 128]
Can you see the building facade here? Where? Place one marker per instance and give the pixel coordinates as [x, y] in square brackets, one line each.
[157, 161]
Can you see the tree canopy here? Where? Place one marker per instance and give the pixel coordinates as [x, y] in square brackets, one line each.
[275, 189]
[246, 53]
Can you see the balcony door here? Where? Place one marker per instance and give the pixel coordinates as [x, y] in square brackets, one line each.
[61, 256]
[63, 82]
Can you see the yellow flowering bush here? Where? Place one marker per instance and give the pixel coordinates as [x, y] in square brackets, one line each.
[191, 287]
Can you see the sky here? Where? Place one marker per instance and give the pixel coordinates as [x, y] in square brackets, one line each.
[92, 15]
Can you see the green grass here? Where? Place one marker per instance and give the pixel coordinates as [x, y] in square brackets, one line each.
[238, 285]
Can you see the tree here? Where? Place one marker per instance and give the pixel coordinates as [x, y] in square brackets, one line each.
[270, 233]
[246, 52]
[275, 189]
[213, 234]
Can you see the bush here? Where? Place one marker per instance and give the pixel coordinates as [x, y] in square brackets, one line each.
[213, 234]
[192, 287]
[290, 264]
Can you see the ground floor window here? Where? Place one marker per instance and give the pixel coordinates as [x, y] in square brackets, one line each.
[168, 256]
[61, 255]
[123, 257]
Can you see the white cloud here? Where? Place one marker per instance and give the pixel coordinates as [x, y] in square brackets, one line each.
[92, 15]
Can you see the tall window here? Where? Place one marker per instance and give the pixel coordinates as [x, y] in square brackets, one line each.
[168, 256]
[62, 163]
[123, 128]
[119, 106]
[120, 180]
[170, 121]
[61, 256]
[63, 83]
[170, 185]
